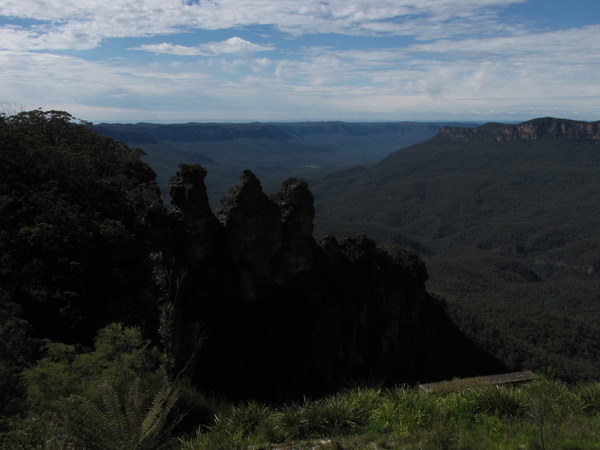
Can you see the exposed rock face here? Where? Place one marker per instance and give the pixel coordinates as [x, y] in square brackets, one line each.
[299, 251]
[547, 127]
[197, 232]
[284, 317]
[252, 226]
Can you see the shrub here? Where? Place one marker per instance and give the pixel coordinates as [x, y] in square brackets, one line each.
[387, 417]
[589, 397]
[32, 432]
[250, 420]
[120, 355]
[69, 380]
[418, 408]
[132, 422]
[455, 407]
[195, 407]
[549, 403]
[343, 413]
[498, 400]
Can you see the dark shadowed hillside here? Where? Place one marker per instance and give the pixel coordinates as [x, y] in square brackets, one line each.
[508, 216]
[284, 315]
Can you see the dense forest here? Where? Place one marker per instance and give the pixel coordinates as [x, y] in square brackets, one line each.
[124, 321]
[506, 217]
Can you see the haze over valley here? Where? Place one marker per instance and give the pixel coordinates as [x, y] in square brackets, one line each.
[274, 151]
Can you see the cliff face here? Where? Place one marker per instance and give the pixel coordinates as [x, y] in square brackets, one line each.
[281, 316]
[531, 130]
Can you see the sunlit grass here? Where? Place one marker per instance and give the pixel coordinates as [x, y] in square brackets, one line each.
[490, 417]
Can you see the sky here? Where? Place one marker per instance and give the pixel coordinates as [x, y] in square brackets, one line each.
[172, 61]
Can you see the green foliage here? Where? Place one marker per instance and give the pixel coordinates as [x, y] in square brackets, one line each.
[74, 225]
[132, 422]
[114, 393]
[487, 417]
[168, 278]
[120, 354]
[387, 417]
[195, 407]
[549, 403]
[343, 413]
[554, 327]
[501, 401]
[589, 397]
[33, 432]
[406, 407]
[16, 347]
[241, 422]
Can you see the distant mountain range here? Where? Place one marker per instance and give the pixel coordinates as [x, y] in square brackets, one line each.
[457, 187]
[274, 151]
[509, 218]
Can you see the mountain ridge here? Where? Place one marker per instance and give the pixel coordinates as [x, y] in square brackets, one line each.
[545, 127]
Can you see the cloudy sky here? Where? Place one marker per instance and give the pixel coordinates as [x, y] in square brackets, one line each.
[280, 60]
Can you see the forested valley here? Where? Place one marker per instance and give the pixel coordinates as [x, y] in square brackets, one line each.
[507, 219]
[141, 314]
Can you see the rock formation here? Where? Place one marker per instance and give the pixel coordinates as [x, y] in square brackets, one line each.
[535, 129]
[282, 316]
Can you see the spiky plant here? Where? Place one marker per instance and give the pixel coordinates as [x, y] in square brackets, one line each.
[501, 401]
[134, 423]
[589, 397]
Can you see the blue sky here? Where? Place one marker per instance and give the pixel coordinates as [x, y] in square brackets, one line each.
[284, 60]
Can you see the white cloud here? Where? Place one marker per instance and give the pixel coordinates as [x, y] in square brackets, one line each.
[48, 78]
[228, 46]
[68, 24]
[235, 45]
[466, 59]
[169, 49]
[580, 43]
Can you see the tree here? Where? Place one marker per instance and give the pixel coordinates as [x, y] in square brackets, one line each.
[76, 225]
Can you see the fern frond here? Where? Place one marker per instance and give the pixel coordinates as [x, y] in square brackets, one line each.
[117, 426]
[135, 407]
[153, 423]
[84, 421]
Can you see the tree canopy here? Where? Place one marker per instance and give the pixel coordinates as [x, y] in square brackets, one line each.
[74, 212]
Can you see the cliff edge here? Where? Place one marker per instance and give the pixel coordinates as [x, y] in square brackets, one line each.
[547, 127]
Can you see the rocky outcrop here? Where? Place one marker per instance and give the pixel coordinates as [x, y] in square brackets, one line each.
[547, 127]
[198, 233]
[282, 316]
[252, 225]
